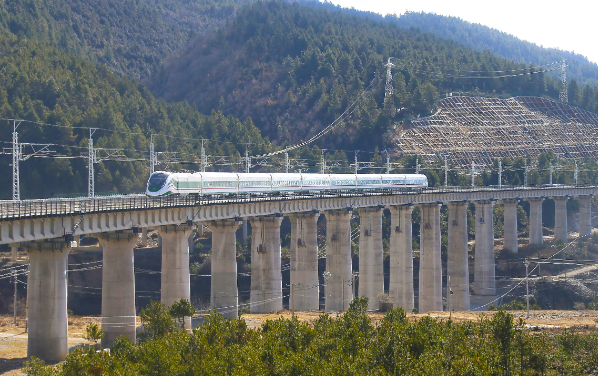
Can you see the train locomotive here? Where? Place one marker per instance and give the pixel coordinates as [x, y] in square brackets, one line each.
[163, 183]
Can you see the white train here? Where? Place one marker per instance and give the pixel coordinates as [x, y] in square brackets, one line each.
[164, 183]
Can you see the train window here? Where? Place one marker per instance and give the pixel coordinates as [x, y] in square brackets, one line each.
[158, 179]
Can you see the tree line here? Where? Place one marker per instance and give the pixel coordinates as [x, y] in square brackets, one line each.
[350, 344]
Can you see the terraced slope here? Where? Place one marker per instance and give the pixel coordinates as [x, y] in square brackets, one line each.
[481, 129]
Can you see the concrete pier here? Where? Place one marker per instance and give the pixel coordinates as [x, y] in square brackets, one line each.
[458, 264]
[371, 257]
[560, 218]
[47, 295]
[400, 287]
[14, 251]
[510, 225]
[305, 291]
[244, 231]
[144, 237]
[266, 277]
[338, 289]
[118, 286]
[175, 281]
[224, 293]
[484, 272]
[430, 269]
[535, 221]
[585, 215]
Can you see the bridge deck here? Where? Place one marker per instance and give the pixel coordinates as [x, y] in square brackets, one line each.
[30, 209]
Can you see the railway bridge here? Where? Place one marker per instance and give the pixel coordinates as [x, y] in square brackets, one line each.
[47, 228]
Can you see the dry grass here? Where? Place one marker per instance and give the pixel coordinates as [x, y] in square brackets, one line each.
[13, 341]
[541, 319]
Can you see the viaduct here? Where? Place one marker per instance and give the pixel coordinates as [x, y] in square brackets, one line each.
[46, 228]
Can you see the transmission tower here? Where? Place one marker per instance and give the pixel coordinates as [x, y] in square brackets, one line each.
[388, 88]
[564, 97]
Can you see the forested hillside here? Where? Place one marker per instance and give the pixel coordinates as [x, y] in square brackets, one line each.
[294, 69]
[131, 37]
[44, 85]
[289, 68]
[481, 38]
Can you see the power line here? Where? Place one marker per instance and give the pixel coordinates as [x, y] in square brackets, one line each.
[361, 98]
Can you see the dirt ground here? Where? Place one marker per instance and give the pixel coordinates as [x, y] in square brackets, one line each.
[540, 319]
[13, 339]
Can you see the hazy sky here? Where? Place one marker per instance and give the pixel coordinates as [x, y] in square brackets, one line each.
[570, 25]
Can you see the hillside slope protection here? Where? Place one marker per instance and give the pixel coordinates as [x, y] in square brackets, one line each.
[294, 69]
[482, 129]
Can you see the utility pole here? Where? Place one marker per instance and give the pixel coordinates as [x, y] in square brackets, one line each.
[247, 160]
[551, 169]
[449, 296]
[15, 299]
[387, 164]
[204, 159]
[417, 165]
[576, 172]
[525, 175]
[500, 173]
[354, 289]
[356, 163]
[343, 293]
[446, 170]
[472, 173]
[323, 162]
[286, 162]
[16, 156]
[91, 161]
[526, 262]
[153, 156]
[293, 299]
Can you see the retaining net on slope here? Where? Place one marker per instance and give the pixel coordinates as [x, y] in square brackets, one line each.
[479, 130]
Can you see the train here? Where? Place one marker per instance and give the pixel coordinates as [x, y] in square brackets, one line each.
[164, 183]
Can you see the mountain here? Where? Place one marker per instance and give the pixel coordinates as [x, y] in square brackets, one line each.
[294, 69]
[62, 96]
[131, 37]
[236, 72]
[482, 38]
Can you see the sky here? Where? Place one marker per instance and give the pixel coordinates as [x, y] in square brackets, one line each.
[570, 26]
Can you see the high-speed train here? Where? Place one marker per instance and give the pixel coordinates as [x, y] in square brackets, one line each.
[162, 183]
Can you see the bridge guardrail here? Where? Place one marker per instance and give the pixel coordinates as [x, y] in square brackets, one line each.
[40, 208]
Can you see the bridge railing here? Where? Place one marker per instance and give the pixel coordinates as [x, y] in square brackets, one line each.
[10, 210]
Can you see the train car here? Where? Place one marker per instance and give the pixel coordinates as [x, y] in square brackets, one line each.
[163, 183]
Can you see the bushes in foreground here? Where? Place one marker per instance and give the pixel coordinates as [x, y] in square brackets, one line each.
[347, 345]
